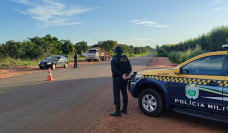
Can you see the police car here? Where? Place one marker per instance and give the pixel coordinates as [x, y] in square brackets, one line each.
[197, 87]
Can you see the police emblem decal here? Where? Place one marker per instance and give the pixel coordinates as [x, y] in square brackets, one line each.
[192, 91]
[123, 59]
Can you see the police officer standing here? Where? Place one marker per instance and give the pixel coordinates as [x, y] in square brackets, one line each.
[121, 68]
[75, 60]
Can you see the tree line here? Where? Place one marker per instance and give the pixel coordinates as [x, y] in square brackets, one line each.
[40, 47]
[210, 42]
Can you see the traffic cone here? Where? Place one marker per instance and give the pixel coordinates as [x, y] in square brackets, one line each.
[49, 77]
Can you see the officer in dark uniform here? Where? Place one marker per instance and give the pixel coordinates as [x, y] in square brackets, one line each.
[75, 60]
[121, 68]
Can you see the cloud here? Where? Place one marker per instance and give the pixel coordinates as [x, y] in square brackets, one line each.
[219, 9]
[161, 26]
[218, 1]
[51, 13]
[148, 23]
[21, 1]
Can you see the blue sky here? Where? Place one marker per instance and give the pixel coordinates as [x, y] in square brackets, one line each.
[132, 22]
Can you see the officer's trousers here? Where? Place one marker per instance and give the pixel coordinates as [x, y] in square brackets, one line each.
[75, 63]
[120, 84]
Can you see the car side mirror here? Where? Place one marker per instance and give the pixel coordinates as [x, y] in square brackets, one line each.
[176, 70]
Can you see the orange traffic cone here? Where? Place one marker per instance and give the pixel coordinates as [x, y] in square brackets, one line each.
[49, 77]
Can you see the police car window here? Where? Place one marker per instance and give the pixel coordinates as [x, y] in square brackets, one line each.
[211, 65]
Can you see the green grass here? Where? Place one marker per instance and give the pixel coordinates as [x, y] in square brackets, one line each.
[9, 62]
[137, 55]
[79, 58]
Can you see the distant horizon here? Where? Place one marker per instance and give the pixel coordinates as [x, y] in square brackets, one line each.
[131, 22]
[70, 40]
[113, 40]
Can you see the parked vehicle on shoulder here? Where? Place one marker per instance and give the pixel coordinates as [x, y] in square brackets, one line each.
[197, 87]
[54, 61]
[96, 54]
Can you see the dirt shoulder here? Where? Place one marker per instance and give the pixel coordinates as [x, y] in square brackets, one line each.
[158, 63]
[16, 71]
[136, 122]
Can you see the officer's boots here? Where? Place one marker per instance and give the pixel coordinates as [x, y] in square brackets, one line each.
[116, 113]
[124, 110]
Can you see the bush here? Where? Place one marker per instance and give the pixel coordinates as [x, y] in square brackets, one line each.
[180, 56]
[174, 56]
[161, 52]
[162, 55]
[9, 62]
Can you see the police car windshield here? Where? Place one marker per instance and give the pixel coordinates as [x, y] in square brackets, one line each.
[92, 51]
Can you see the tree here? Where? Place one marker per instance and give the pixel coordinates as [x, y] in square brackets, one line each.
[157, 47]
[32, 51]
[81, 46]
[3, 51]
[50, 45]
[14, 49]
[211, 41]
[67, 47]
[108, 45]
[162, 52]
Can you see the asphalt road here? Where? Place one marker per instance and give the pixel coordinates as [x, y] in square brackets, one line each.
[72, 103]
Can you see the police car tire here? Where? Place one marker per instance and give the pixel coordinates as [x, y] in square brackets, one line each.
[159, 99]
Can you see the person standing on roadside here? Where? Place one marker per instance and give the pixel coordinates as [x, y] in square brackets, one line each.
[121, 68]
[109, 56]
[75, 60]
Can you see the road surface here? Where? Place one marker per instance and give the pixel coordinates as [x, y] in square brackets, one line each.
[69, 104]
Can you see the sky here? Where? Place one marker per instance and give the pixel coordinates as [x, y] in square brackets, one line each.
[131, 22]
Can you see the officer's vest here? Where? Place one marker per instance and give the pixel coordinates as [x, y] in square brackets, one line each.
[122, 63]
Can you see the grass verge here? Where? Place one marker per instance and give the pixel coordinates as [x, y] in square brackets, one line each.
[181, 56]
[9, 62]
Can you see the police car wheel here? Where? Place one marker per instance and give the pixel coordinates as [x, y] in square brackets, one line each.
[151, 102]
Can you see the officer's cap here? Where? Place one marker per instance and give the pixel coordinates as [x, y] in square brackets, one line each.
[118, 49]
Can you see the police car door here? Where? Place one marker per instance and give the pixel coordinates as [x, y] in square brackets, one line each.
[201, 83]
[225, 91]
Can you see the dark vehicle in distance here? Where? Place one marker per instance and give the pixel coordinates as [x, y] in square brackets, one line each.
[54, 61]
